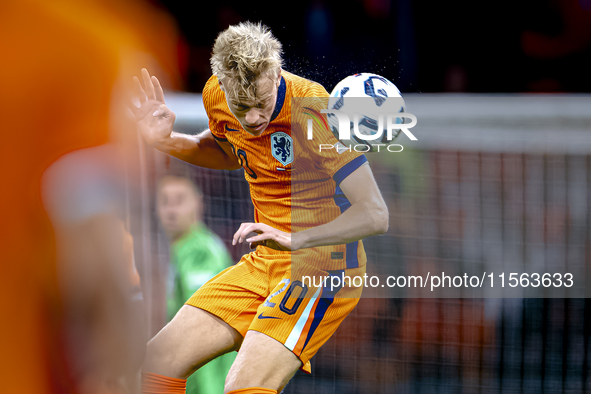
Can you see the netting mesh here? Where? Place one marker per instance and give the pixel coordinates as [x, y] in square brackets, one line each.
[461, 210]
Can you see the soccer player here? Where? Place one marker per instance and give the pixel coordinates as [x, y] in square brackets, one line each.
[315, 217]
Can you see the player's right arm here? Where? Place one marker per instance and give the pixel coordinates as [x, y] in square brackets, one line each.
[155, 123]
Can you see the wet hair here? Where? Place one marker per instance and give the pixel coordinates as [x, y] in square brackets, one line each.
[242, 54]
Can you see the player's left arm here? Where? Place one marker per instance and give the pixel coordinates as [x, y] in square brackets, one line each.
[367, 216]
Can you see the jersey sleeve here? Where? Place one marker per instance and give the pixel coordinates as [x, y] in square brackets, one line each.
[213, 100]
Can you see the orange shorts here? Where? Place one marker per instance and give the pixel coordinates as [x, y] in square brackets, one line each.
[259, 294]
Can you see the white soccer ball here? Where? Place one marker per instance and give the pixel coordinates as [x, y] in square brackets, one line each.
[366, 99]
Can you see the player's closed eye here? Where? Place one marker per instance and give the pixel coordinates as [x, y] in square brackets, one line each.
[244, 107]
[241, 107]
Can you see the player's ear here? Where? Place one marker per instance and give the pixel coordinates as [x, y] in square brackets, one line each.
[221, 86]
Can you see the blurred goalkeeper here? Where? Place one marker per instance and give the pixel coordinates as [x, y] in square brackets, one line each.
[197, 254]
[261, 306]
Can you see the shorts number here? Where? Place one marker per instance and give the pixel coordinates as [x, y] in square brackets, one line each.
[268, 300]
[297, 303]
[283, 304]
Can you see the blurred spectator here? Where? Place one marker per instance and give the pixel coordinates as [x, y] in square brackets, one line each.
[197, 254]
[103, 315]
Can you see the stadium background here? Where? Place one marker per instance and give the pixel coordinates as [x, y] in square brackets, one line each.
[499, 178]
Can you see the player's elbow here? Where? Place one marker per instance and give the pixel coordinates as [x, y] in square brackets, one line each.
[380, 221]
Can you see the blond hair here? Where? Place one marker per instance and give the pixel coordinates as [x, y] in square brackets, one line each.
[241, 54]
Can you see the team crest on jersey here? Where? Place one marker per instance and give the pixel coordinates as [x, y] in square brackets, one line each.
[282, 147]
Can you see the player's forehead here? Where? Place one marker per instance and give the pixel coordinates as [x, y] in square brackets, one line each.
[261, 92]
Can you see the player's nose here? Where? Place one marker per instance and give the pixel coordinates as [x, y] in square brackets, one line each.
[252, 117]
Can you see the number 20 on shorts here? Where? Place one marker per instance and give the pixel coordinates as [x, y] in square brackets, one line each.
[283, 304]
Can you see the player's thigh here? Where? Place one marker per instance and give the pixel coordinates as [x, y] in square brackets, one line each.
[303, 314]
[262, 362]
[191, 339]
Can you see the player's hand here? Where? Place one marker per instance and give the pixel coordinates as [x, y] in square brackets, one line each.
[261, 234]
[154, 118]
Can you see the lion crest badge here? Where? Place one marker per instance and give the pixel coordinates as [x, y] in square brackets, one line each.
[282, 147]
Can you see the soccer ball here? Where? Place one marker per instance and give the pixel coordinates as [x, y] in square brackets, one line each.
[366, 98]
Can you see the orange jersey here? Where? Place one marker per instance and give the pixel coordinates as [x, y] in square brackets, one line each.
[293, 186]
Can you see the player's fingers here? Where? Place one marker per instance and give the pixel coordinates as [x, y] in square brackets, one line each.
[133, 108]
[249, 231]
[253, 230]
[256, 237]
[138, 90]
[238, 232]
[161, 110]
[158, 91]
[148, 85]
